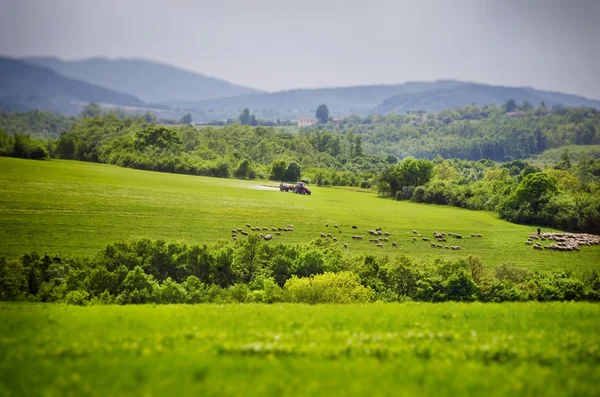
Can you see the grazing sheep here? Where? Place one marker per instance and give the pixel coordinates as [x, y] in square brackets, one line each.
[234, 237]
[457, 236]
[327, 225]
[394, 244]
[277, 234]
[386, 234]
[260, 235]
[380, 245]
[336, 226]
[268, 237]
[537, 247]
[323, 235]
[446, 247]
[248, 225]
[385, 239]
[234, 231]
[244, 233]
[433, 245]
[378, 232]
[414, 239]
[273, 229]
[425, 238]
[335, 239]
[354, 227]
[290, 226]
[378, 229]
[239, 229]
[345, 245]
[329, 235]
[415, 232]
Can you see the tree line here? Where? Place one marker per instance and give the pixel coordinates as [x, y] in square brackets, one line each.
[252, 270]
[566, 196]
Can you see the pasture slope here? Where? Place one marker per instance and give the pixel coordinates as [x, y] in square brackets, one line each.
[449, 349]
[78, 208]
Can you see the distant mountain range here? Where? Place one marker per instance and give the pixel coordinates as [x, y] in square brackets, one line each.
[383, 99]
[139, 85]
[25, 87]
[150, 81]
[464, 94]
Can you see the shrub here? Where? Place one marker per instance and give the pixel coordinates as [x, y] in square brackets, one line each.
[77, 297]
[172, 292]
[343, 287]
[419, 194]
[239, 292]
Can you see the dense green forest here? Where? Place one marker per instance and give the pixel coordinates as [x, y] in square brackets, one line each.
[362, 153]
[501, 133]
[252, 270]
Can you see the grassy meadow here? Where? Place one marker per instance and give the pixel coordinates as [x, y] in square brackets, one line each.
[449, 349]
[78, 208]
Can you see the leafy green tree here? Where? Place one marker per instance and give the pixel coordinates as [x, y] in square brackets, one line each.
[244, 170]
[187, 119]
[322, 114]
[245, 117]
[292, 172]
[156, 136]
[91, 110]
[526, 106]
[358, 149]
[510, 106]
[278, 170]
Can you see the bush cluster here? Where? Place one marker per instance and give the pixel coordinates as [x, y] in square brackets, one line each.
[147, 271]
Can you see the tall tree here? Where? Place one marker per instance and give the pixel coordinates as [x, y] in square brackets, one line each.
[187, 119]
[245, 117]
[322, 114]
[510, 106]
[358, 150]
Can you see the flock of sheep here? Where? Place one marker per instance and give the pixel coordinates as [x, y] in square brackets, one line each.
[380, 236]
[276, 230]
[562, 241]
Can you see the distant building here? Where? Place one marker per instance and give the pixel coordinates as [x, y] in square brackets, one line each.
[514, 114]
[306, 122]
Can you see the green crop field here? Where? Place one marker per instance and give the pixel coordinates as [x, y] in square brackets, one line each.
[447, 349]
[78, 208]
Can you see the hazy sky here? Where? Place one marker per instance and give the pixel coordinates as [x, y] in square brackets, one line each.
[279, 44]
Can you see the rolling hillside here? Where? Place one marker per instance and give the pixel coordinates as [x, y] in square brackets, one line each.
[78, 208]
[151, 81]
[26, 87]
[465, 94]
[383, 99]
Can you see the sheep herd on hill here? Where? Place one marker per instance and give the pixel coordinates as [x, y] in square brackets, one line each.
[562, 241]
[380, 236]
[266, 237]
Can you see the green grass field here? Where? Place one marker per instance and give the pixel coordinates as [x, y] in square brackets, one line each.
[447, 349]
[78, 208]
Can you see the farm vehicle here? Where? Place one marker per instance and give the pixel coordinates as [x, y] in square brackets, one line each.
[298, 188]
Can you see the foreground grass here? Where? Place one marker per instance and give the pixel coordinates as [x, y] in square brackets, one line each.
[446, 349]
[78, 208]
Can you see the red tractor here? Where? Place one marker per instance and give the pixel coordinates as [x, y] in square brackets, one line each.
[301, 188]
